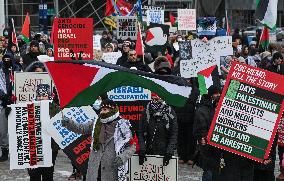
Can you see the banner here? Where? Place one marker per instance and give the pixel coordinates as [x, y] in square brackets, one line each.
[126, 27]
[26, 84]
[29, 144]
[186, 19]
[205, 55]
[111, 57]
[248, 113]
[131, 101]
[73, 39]
[155, 16]
[97, 42]
[75, 146]
[153, 169]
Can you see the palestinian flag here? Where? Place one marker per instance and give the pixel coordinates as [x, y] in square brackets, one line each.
[139, 48]
[208, 77]
[156, 38]
[172, 19]
[79, 83]
[266, 12]
[26, 29]
[264, 38]
[12, 35]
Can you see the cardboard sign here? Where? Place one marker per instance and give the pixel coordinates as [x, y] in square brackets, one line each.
[153, 169]
[75, 146]
[61, 135]
[155, 16]
[248, 112]
[185, 50]
[186, 19]
[111, 57]
[29, 144]
[73, 38]
[205, 55]
[129, 93]
[126, 27]
[97, 42]
[131, 101]
[26, 84]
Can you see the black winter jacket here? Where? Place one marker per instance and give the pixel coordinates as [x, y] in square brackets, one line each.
[157, 132]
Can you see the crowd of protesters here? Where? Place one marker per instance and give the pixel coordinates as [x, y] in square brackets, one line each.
[183, 129]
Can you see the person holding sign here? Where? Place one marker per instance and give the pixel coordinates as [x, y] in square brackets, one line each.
[112, 143]
[45, 173]
[159, 124]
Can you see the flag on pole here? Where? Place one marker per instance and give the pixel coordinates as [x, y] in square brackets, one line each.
[208, 77]
[172, 19]
[52, 31]
[139, 43]
[264, 38]
[119, 7]
[26, 29]
[12, 35]
[97, 78]
[227, 24]
[266, 12]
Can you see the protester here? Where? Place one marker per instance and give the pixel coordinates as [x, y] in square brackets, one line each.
[125, 50]
[202, 121]
[133, 61]
[50, 52]
[276, 65]
[111, 143]
[158, 129]
[45, 173]
[32, 55]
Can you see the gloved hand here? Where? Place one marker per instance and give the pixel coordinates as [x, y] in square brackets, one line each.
[166, 159]
[118, 161]
[65, 121]
[142, 157]
[7, 111]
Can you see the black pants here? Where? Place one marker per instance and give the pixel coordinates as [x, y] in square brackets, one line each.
[263, 175]
[43, 173]
[186, 143]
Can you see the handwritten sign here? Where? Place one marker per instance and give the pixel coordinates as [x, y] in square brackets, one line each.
[30, 145]
[111, 57]
[185, 50]
[205, 55]
[186, 19]
[248, 112]
[153, 169]
[26, 84]
[73, 38]
[126, 27]
[155, 16]
[97, 42]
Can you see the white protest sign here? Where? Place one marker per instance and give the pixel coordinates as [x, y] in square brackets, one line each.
[97, 42]
[26, 84]
[155, 16]
[111, 57]
[186, 19]
[185, 69]
[61, 135]
[205, 55]
[126, 27]
[29, 143]
[153, 169]
[129, 93]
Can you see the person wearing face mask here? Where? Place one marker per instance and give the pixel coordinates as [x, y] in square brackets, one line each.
[158, 129]
[112, 143]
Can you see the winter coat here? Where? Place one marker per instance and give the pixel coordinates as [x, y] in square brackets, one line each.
[121, 60]
[158, 131]
[186, 114]
[210, 156]
[105, 155]
[138, 64]
[30, 58]
[276, 68]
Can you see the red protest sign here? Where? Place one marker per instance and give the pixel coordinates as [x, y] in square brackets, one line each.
[248, 113]
[73, 39]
